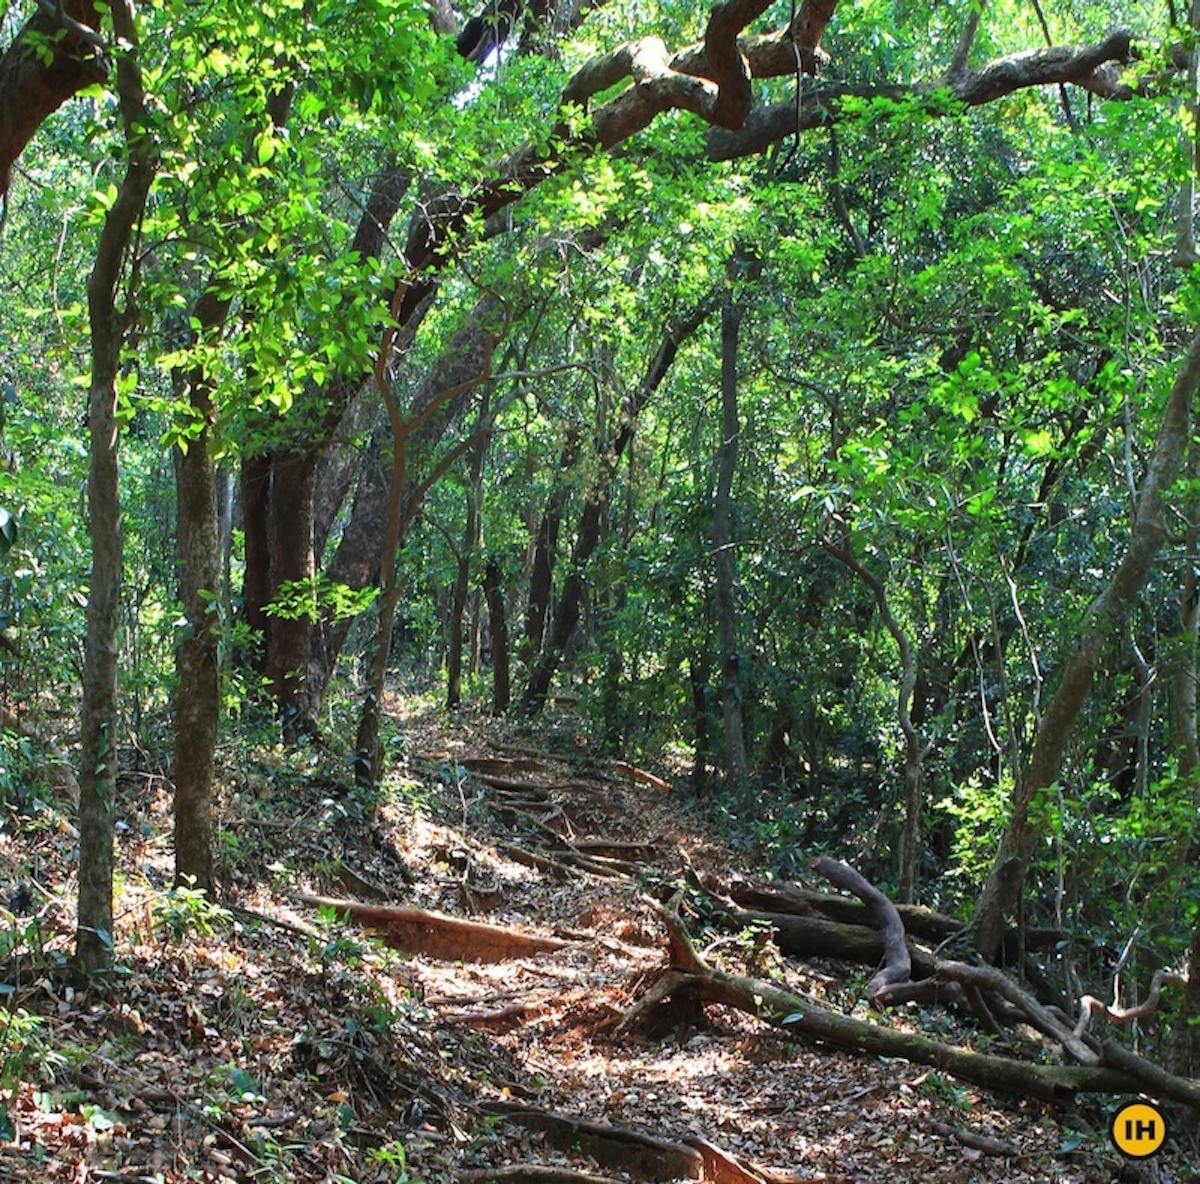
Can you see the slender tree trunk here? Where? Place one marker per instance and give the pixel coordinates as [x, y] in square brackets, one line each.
[1185, 1036]
[462, 576]
[698, 676]
[570, 600]
[1001, 892]
[292, 571]
[225, 511]
[914, 752]
[356, 560]
[256, 580]
[1181, 677]
[541, 574]
[198, 696]
[98, 755]
[368, 756]
[737, 766]
[493, 591]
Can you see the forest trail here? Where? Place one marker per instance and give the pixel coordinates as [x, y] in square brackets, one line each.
[273, 1043]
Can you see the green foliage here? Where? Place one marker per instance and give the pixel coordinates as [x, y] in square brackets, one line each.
[186, 913]
[319, 596]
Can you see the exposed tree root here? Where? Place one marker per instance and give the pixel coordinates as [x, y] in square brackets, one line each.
[643, 1156]
[438, 936]
[532, 1173]
[639, 1154]
[500, 1019]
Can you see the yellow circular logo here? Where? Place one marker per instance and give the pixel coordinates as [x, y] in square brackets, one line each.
[1138, 1130]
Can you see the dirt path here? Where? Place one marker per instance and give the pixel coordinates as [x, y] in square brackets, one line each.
[270, 1042]
[600, 834]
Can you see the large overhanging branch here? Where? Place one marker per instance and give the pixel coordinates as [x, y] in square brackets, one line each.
[712, 81]
[1087, 66]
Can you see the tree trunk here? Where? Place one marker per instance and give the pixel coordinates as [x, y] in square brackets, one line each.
[1182, 673]
[493, 590]
[32, 88]
[570, 600]
[356, 560]
[1185, 1036]
[98, 747]
[913, 750]
[255, 498]
[198, 696]
[737, 767]
[1002, 891]
[462, 576]
[541, 574]
[292, 573]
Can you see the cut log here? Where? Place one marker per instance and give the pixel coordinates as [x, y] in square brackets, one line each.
[436, 935]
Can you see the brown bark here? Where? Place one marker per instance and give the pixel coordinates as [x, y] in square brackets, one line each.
[493, 591]
[31, 88]
[1084, 66]
[439, 936]
[198, 695]
[98, 756]
[570, 600]
[462, 575]
[1002, 891]
[255, 498]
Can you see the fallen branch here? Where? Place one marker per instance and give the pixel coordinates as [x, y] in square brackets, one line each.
[1089, 1005]
[984, 1143]
[802, 1016]
[641, 776]
[436, 935]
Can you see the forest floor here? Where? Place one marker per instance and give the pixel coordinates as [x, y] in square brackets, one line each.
[274, 1041]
